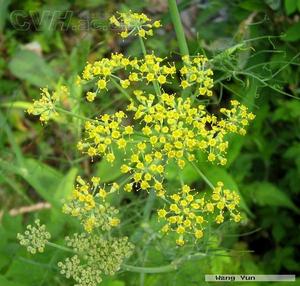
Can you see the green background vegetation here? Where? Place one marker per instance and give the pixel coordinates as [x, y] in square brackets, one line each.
[40, 163]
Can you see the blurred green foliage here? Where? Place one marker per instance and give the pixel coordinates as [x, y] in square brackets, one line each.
[255, 45]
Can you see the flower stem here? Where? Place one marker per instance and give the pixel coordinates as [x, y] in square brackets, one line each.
[207, 181]
[60, 247]
[160, 269]
[164, 268]
[142, 46]
[121, 89]
[183, 47]
[74, 115]
[149, 205]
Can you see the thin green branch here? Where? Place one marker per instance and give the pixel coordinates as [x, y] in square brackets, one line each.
[74, 115]
[206, 180]
[60, 247]
[160, 269]
[146, 217]
[149, 205]
[142, 46]
[121, 89]
[165, 268]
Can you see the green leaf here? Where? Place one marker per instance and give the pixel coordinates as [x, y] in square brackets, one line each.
[278, 231]
[267, 194]
[188, 175]
[17, 104]
[221, 262]
[252, 5]
[11, 226]
[298, 5]
[287, 111]
[3, 235]
[66, 185]
[19, 271]
[4, 260]
[79, 56]
[290, 6]
[11, 138]
[108, 172]
[27, 65]
[236, 143]
[43, 178]
[273, 4]
[292, 34]
[6, 282]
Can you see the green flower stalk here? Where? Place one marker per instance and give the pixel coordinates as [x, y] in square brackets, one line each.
[175, 16]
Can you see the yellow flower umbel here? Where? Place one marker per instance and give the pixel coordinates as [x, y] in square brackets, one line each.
[105, 135]
[89, 206]
[45, 107]
[172, 129]
[195, 72]
[184, 215]
[222, 200]
[134, 24]
[238, 117]
[188, 212]
[122, 72]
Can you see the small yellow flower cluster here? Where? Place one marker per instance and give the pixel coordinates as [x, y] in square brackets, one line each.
[171, 129]
[238, 117]
[134, 24]
[177, 129]
[89, 206]
[195, 72]
[103, 135]
[184, 215]
[45, 106]
[146, 170]
[221, 200]
[188, 212]
[150, 69]
[103, 71]
[173, 126]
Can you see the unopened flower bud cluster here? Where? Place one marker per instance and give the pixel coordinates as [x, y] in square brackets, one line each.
[95, 255]
[34, 238]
